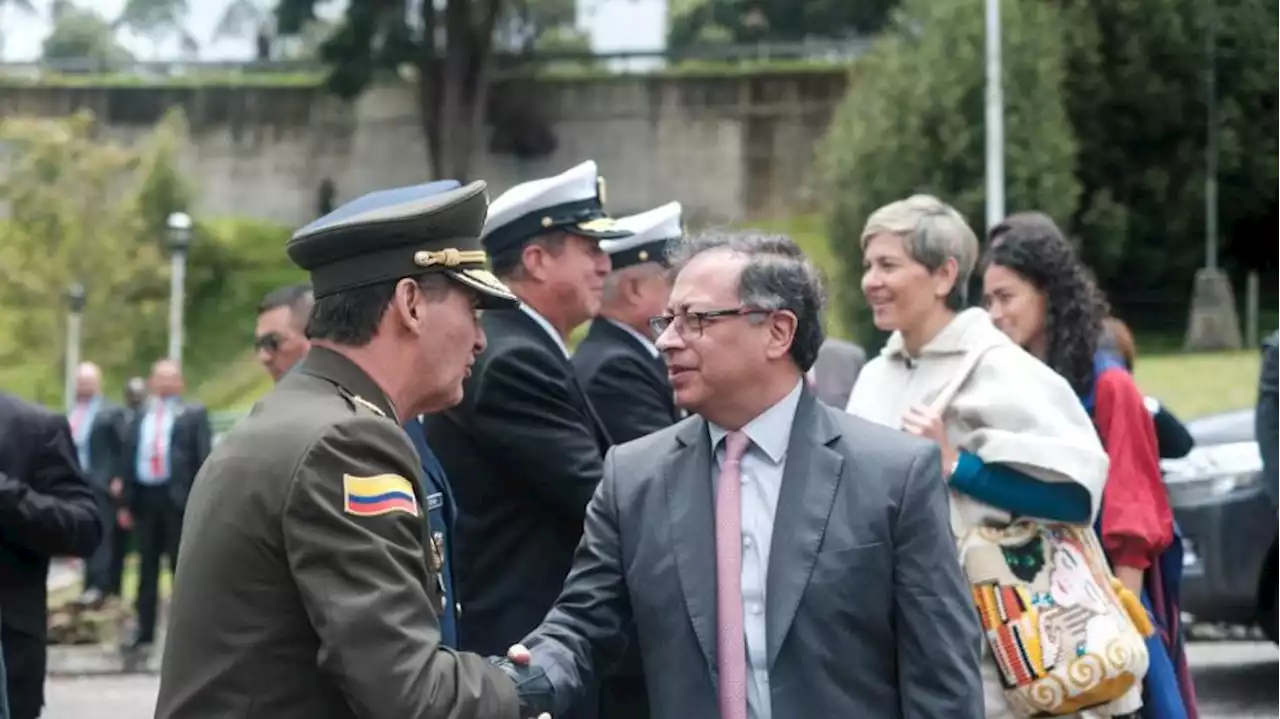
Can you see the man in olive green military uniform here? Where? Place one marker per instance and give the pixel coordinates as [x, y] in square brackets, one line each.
[307, 585]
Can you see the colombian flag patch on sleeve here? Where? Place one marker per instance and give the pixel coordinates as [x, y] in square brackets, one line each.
[379, 494]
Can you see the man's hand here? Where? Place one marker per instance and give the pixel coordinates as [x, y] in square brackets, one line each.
[533, 687]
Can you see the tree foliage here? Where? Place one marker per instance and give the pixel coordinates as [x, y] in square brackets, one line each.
[158, 20]
[447, 49]
[77, 212]
[913, 122]
[743, 21]
[81, 34]
[1138, 75]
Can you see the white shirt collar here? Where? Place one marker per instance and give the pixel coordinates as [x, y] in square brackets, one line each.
[770, 430]
[542, 321]
[645, 341]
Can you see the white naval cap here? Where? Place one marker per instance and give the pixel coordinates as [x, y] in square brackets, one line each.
[652, 232]
[572, 201]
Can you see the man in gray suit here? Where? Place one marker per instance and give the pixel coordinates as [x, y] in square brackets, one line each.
[836, 369]
[854, 607]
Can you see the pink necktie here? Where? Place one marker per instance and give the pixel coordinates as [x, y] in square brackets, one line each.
[731, 651]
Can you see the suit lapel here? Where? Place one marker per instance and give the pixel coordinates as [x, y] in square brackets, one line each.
[522, 322]
[687, 476]
[606, 331]
[809, 483]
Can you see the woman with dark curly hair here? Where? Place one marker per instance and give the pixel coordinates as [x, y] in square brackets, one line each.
[1042, 296]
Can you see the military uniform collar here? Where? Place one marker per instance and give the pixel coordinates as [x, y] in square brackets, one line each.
[327, 364]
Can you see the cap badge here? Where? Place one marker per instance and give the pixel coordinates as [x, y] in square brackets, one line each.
[644, 255]
[600, 189]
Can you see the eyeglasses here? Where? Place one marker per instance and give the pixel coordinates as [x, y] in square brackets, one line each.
[694, 322]
[269, 342]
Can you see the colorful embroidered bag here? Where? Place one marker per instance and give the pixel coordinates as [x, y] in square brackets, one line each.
[1065, 634]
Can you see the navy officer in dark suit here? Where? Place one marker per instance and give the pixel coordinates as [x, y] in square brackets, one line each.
[624, 374]
[524, 449]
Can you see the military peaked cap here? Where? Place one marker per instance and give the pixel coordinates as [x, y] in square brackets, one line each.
[653, 231]
[401, 232]
[572, 201]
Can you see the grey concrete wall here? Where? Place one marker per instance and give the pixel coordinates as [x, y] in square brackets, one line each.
[729, 148]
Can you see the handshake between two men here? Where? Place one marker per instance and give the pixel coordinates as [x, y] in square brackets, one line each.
[537, 695]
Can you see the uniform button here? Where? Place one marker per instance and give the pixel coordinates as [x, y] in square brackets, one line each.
[458, 607]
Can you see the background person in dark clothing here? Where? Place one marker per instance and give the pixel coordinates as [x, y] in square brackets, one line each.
[524, 448]
[98, 428]
[135, 394]
[280, 338]
[46, 509]
[169, 441]
[1265, 421]
[617, 363]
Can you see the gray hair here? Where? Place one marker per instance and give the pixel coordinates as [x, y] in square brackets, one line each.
[777, 276]
[612, 283]
[932, 232]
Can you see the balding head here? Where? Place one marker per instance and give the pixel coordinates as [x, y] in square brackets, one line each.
[166, 378]
[88, 381]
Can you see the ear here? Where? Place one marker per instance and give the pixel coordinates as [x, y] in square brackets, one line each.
[406, 306]
[944, 278]
[535, 258]
[782, 333]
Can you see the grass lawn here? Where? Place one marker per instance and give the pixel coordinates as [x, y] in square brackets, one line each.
[1193, 385]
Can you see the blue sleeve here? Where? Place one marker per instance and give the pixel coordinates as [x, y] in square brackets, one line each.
[1020, 494]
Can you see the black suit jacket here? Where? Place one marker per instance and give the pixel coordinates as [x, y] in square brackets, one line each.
[523, 453]
[626, 384]
[107, 439]
[189, 445]
[46, 509]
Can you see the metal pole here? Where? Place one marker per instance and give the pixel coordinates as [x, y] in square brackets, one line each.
[177, 289]
[1251, 291]
[994, 118]
[73, 358]
[1211, 143]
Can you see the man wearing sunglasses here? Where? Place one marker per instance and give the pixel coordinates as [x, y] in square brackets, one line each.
[280, 339]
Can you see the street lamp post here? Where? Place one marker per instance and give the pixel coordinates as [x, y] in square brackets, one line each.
[994, 118]
[1214, 323]
[179, 235]
[75, 313]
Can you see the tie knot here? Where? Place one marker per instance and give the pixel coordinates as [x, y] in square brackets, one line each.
[735, 445]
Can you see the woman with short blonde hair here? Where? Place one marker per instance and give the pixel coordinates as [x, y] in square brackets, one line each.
[1015, 440]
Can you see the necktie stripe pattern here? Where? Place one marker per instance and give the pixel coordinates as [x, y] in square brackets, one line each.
[731, 650]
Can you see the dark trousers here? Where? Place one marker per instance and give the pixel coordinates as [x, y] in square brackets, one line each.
[97, 568]
[24, 664]
[121, 543]
[157, 525]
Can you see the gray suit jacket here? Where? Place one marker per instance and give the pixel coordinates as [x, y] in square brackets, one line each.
[868, 613]
[835, 371]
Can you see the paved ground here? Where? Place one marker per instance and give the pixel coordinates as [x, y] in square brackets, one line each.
[1235, 680]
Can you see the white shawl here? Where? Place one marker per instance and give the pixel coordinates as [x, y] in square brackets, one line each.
[1013, 409]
